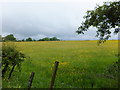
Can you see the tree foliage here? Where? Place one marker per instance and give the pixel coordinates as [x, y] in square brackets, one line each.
[29, 39]
[49, 39]
[45, 39]
[54, 39]
[105, 18]
[9, 38]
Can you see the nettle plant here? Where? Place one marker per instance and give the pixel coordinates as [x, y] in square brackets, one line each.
[11, 57]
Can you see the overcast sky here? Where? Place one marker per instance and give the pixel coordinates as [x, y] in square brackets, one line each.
[46, 18]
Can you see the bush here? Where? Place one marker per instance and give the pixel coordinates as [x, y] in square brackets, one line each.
[11, 57]
[113, 70]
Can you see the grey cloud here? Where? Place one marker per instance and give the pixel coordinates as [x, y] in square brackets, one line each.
[39, 20]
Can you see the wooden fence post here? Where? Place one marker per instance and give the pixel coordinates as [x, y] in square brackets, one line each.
[30, 80]
[54, 74]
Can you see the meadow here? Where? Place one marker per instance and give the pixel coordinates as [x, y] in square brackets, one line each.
[82, 64]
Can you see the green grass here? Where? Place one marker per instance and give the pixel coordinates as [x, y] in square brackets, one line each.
[82, 63]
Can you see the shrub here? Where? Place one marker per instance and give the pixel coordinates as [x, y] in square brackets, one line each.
[11, 57]
[113, 70]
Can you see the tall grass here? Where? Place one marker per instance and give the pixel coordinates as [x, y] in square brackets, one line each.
[82, 64]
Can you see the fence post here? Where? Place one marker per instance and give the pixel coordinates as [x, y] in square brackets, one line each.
[54, 74]
[30, 80]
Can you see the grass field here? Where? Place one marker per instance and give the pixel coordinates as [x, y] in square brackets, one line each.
[82, 64]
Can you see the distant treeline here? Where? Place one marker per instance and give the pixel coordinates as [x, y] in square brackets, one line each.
[11, 37]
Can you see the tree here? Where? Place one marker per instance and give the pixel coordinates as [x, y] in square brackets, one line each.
[40, 40]
[23, 40]
[46, 39]
[54, 39]
[49, 39]
[105, 18]
[29, 39]
[10, 38]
